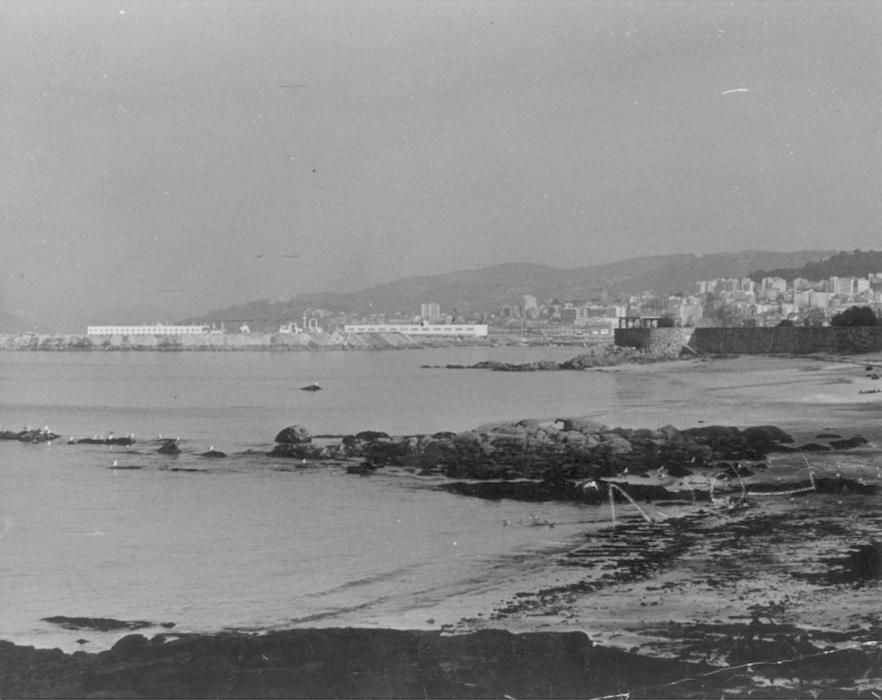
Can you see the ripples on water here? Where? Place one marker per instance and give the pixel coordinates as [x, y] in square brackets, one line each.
[248, 541]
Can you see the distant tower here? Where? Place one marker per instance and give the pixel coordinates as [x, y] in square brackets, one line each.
[430, 312]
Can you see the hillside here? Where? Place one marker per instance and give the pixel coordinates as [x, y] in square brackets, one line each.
[14, 323]
[857, 263]
[487, 289]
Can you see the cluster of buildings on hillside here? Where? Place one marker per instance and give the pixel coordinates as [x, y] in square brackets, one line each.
[720, 302]
[774, 299]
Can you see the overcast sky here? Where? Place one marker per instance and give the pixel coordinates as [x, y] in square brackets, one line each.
[192, 155]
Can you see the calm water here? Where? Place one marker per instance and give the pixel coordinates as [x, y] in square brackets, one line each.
[252, 542]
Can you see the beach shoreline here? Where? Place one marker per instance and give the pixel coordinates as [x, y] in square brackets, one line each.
[764, 595]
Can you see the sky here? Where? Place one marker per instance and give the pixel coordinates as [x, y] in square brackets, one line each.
[180, 156]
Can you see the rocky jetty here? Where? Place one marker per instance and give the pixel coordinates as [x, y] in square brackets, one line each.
[599, 356]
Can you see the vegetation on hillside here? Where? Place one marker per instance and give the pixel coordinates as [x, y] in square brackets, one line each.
[857, 263]
[855, 316]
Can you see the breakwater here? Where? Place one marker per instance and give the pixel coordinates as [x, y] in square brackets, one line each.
[232, 342]
[792, 340]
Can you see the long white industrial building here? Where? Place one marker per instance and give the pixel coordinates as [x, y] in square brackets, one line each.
[154, 329]
[475, 330]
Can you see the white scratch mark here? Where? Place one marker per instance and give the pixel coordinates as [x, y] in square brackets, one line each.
[729, 92]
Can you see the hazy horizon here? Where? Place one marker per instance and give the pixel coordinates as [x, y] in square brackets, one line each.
[188, 156]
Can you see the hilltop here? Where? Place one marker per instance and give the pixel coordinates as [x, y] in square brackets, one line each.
[15, 323]
[857, 263]
[489, 288]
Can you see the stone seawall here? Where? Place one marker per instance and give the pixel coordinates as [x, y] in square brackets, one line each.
[756, 341]
[232, 342]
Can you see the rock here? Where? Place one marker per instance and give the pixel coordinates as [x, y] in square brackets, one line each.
[130, 645]
[298, 451]
[766, 434]
[213, 454]
[616, 444]
[293, 435]
[169, 447]
[584, 425]
[848, 443]
[99, 624]
[371, 435]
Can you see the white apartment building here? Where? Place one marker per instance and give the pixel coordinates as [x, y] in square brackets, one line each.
[430, 312]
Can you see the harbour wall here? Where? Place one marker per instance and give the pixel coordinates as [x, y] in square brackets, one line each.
[789, 340]
[227, 342]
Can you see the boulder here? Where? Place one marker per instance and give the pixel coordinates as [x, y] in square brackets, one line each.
[766, 434]
[294, 435]
[372, 435]
[584, 425]
[617, 444]
[169, 447]
[298, 451]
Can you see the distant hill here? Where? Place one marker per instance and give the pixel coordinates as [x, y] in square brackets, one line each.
[14, 323]
[489, 288]
[857, 263]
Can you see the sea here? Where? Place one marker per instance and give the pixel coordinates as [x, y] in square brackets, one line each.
[253, 543]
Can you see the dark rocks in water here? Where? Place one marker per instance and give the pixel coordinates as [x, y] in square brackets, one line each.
[848, 443]
[212, 453]
[29, 435]
[371, 435]
[814, 447]
[169, 447]
[123, 441]
[98, 624]
[294, 435]
[304, 450]
[828, 436]
[311, 387]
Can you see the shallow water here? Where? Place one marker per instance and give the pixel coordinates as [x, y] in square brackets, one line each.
[251, 542]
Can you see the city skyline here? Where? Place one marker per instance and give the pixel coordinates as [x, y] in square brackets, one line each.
[186, 156]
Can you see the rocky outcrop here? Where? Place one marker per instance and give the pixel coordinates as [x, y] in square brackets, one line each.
[293, 435]
[345, 663]
[571, 448]
[600, 356]
[295, 442]
[29, 435]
